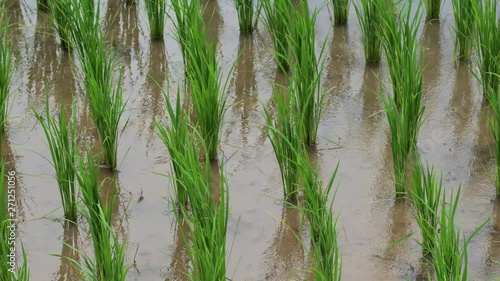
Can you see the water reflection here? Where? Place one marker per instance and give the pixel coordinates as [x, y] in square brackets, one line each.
[66, 271]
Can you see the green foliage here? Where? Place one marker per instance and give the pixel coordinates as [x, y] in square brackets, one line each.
[340, 11]
[277, 18]
[432, 9]
[248, 15]
[157, 14]
[463, 11]
[494, 123]
[6, 68]
[369, 21]
[61, 18]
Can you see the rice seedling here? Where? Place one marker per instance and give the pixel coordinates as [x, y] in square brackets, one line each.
[61, 141]
[109, 252]
[463, 11]
[103, 91]
[449, 254]
[340, 10]
[248, 15]
[487, 44]
[404, 109]
[284, 134]
[42, 4]
[157, 13]
[6, 68]
[277, 19]
[207, 220]
[426, 194]
[432, 9]
[61, 18]
[174, 137]
[494, 123]
[324, 253]
[306, 71]
[369, 22]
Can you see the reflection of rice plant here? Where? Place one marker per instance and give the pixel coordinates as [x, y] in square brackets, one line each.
[463, 11]
[109, 252]
[432, 9]
[494, 123]
[404, 108]
[207, 219]
[426, 194]
[22, 273]
[278, 21]
[6, 68]
[369, 21]
[174, 137]
[62, 15]
[61, 141]
[340, 11]
[157, 13]
[488, 44]
[248, 15]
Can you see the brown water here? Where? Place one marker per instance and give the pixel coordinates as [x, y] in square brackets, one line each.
[454, 137]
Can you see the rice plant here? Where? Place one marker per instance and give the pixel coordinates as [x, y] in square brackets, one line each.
[61, 18]
[426, 194]
[109, 252]
[174, 137]
[61, 140]
[277, 19]
[494, 123]
[306, 71]
[103, 90]
[6, 68]
[487, 44]
[432, 9]
[340, 10]
[248, 15]
[324, 253]
[463, 11]
[284, 134]
[404, 109]
[156, 11]
[369, 21]
[207, 220]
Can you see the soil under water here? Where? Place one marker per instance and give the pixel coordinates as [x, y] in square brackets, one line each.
[454, 137]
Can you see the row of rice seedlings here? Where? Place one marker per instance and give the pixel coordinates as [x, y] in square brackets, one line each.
[248, 15]
[204, 76]
[207, 220]
[8, 266]
[174, 137]
[324, 253]
[61, 18]
[426, 194]
[277, 19]
[305, 82]
[463, 11]
[284, 134]
[61, 140]
[340, 10]
[404, 108]
[494, 123]
[109, 252]
[156, 11]
[6, 67]
[103, 91]
[488, 44]
[369, 21]
[432, 9]
[181, 23]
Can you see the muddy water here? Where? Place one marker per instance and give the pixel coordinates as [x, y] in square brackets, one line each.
[454, 137]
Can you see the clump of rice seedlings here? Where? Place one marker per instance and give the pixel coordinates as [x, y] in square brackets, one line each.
[306, 73]
[207, 219]
[157, 13]
[404, 108]
[324, 253]
[42, 4]
[103, 89]
[284, 134]
[432, 9]
[426, 194]
[463, 11]
[494, 123]
[248, 15]
[277, 19]
[487, 44]
[174, 137]
[449, 254]
[109, 252]
[369, 21]
[6, 68]
[340, 11]
[61, 141]
[61, 18]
